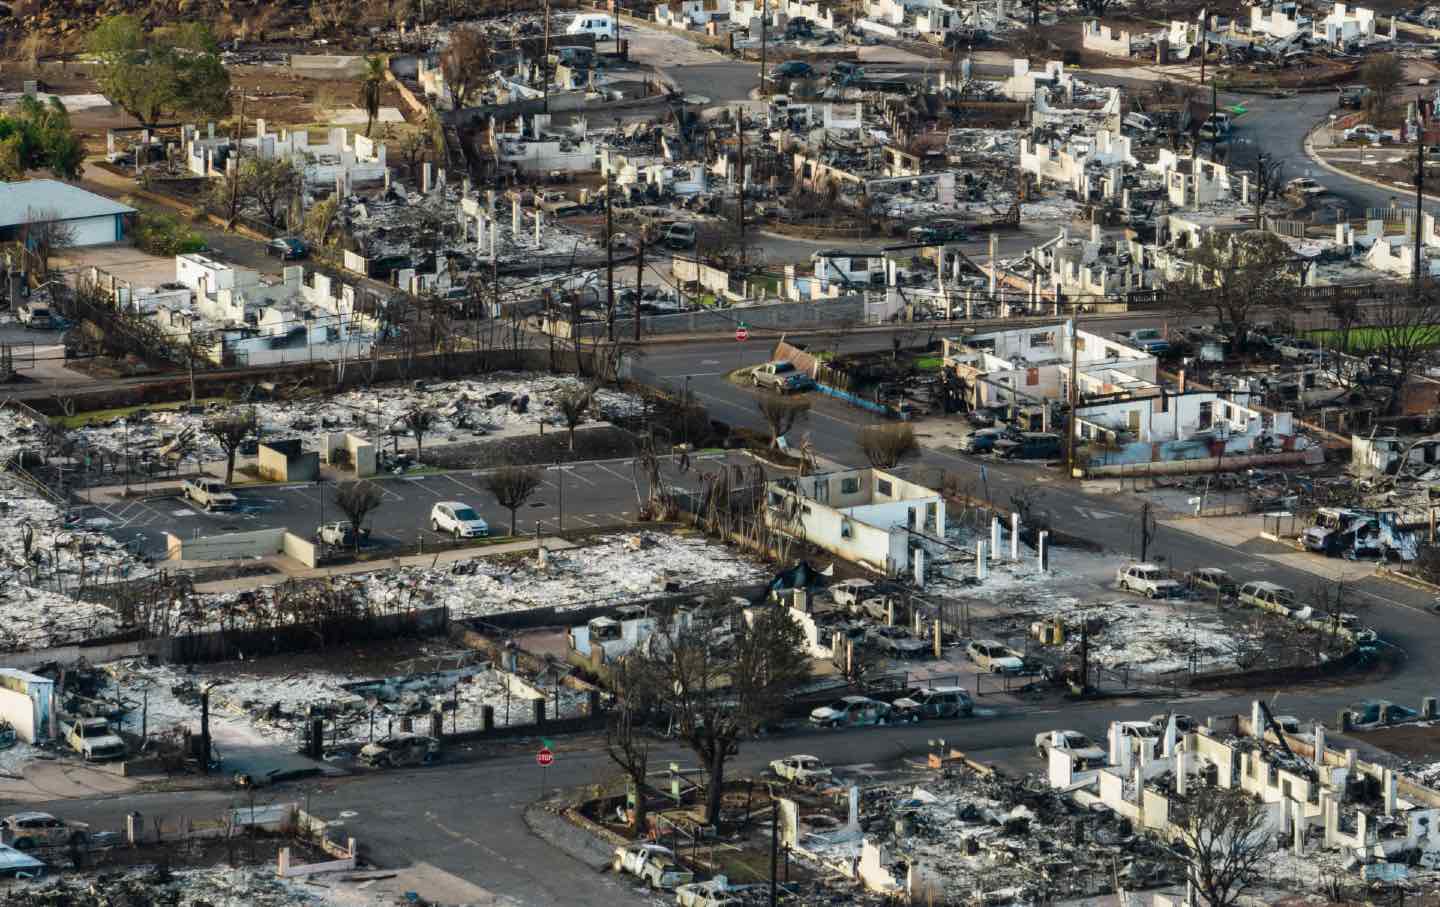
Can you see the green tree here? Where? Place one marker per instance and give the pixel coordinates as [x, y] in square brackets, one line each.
[36, 135]
[370, 90]
[149, 75]
[264, 184]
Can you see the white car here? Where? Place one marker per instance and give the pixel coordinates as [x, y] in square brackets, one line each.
[459, 520]
[1147, 580]
[1364, 133]
[1305, 186]
[801, 769]
[995, 656]
[851, 711]
[713, 893]
[1072, 743]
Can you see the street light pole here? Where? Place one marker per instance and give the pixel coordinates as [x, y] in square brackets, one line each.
[560, 480]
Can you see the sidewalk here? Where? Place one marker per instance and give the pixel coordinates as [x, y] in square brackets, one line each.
[287, 568]
[1242, 533]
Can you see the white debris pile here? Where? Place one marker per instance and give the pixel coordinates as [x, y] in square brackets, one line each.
[467, 410]
[18, 432]
[43, 561]
[272, 709]
[614, 567]
[221, 887]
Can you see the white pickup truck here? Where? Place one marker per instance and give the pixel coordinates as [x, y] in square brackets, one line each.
[209, 494]
[652, 863]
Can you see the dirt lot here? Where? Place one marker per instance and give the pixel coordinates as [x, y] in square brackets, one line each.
[1417, 742]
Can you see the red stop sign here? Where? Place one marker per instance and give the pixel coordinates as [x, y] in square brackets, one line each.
[742, 333]
[544, 757]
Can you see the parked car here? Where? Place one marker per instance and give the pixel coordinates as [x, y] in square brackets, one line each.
[851, 711]
[458, 519]
[93, 739]
[400, 749]
[29, 830]
[1304, 186]
[1288, 723]
[286, 248]
[712, 893]
[1031, 445]
[994, 656]
[848, 593]
[940, 231]
[341, 534]
[782, 377]
[1147, 340]
[1211, 581]
[983, 440]
[793, 69]
[1183, 723]
[800, 769]
[1295, 348]
[1073, 743]
[679, 236]
[209, 494]
[34, 314]
[1147, 580]
[1380, 711]
[845, 71]
[938, 702]
[1268, 596]
[896, 642]
[1365, 133]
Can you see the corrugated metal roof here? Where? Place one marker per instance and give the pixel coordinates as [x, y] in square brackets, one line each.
[19, 200]
[12, 859]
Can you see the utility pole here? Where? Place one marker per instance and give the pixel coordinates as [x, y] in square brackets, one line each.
[1144, 531]
[774, 846]
[764, 44]
[740, 178]
[1419, 194]
[1074, 396]
[545, 63]
[640, 276]
[609, 258]
[239, 139]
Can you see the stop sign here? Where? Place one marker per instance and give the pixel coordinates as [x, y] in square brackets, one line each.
[742, 333]
[544, 757]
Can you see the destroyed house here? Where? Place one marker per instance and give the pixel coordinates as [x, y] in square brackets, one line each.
[1316, 797]
[867, 516]
[1390, 455]
[1032, 365]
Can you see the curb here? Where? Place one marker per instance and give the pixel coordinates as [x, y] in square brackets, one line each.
[562, 832]
[1309, 149]
[1406, 580]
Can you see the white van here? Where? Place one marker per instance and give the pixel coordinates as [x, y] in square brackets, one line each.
[600, 25]
[1139, 121]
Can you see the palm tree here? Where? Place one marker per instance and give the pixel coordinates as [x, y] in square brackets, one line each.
[370, 90]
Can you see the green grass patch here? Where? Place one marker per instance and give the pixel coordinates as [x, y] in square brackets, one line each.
[108, 415]
[929, 363]
[1368, 339]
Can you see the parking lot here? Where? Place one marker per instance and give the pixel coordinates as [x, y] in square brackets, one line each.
[579, 496]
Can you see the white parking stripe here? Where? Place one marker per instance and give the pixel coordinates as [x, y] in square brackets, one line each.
[623, 478]
[470, 488]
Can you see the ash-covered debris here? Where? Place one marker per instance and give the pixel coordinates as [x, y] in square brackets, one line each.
[468, 410]
[158, 887]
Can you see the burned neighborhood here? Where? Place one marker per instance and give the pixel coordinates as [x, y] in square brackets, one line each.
[719, 453]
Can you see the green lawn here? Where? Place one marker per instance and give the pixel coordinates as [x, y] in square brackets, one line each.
[929, 363]
[1366, 339]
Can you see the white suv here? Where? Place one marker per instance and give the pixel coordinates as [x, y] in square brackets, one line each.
[1148, 580]
[458, 519]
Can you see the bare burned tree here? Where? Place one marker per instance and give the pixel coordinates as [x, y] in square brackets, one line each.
[1266, 175]
[1402, 334]
[419, 421]
[1223, 838]
[512, 487]
[43, 235]
[632, 681]
[1231, 276]
[781, 415]
[229, 430]
[466, 62]
[885, 446]
[716, 696]
[357, 500]
[574, 403]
